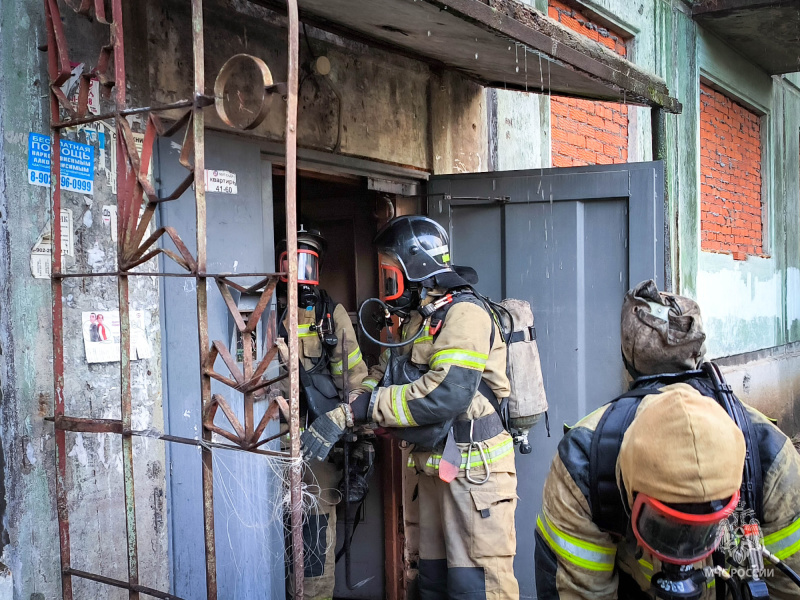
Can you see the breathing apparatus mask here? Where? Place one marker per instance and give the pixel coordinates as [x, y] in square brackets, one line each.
[680, 535]
[311, 246]
[413, 251]
[400, 297]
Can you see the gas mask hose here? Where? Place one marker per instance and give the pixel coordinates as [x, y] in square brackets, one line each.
[387, 313]
[787, 570]
[729, 582]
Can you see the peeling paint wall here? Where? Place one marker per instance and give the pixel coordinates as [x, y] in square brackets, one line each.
[29, 533]
[747, 305]
[94, 477]
[769, 381]
[393, 109]
[384, 97]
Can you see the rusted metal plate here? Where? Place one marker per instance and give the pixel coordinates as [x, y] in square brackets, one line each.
[765, 32]
[499, 43]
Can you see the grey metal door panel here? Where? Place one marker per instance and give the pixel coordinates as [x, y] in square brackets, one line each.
[571, 242]
[247, 525]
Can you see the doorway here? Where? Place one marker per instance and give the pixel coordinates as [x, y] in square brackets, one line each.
[348, 214]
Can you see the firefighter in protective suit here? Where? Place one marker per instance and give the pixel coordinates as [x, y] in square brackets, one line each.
[439, 391]
[325, 336]
[645, 495]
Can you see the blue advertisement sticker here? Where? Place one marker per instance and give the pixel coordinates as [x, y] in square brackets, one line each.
[39, 159]
[77, 164]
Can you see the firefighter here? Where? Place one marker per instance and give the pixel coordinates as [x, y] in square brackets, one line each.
[439, 390]
[325, 335]
[645, 495]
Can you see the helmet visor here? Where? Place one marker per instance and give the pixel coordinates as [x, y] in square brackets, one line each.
[307, 266]
[391, 283]
[678, 537]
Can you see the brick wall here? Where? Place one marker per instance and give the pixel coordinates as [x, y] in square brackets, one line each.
[585, 132]
[730, 172]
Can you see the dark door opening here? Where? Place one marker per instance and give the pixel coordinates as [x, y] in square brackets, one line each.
[348, 214]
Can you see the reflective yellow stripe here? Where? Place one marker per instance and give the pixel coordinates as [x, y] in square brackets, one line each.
[461, 358]
[400, 407]
[411, 462]
[784, 542]
[647, 567]
[305, 331]
[578, 552]
[425, 337]
[493, 454]
[352, 360]
[369, 383]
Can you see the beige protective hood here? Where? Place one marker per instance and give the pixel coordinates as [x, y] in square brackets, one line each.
[682, 447]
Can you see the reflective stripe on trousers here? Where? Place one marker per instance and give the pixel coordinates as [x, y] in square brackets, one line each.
[492, 453]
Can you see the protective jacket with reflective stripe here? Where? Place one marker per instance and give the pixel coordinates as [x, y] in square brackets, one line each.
[575, 559]
[458, 356]
[311, 349]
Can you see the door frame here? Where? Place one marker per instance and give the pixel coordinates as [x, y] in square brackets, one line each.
[402, 182]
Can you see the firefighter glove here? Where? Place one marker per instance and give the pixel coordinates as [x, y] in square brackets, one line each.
[325, 431]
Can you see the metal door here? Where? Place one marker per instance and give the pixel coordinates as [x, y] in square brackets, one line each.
[571, 242]
[249, 544]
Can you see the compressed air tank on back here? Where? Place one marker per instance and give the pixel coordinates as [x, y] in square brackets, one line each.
[527, 401]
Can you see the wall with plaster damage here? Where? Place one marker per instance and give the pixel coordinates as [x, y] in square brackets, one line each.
[392, 109]
[94, 481]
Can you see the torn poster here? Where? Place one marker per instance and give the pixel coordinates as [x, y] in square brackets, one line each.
[72, 86]
[101, 336]
[110, 219]
[41, 260]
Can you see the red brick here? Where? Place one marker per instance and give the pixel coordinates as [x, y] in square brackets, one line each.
[585, 118]
[730, 163]
[559, 107]
[593, 145]
[576, 140]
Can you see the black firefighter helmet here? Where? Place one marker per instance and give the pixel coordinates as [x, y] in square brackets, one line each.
[418, 243]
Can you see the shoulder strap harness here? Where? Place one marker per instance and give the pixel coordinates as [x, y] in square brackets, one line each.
[607, 501]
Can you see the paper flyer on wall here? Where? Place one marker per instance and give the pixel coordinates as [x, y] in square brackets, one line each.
[41, 260]
[101, 336]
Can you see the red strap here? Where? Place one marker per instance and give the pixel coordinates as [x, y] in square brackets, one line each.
[435, 328]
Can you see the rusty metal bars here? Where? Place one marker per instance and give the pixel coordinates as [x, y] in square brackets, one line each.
[291, 251]
[132, 185]
[57, 300]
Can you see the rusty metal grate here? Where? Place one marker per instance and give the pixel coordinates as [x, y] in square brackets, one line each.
[135, 192]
